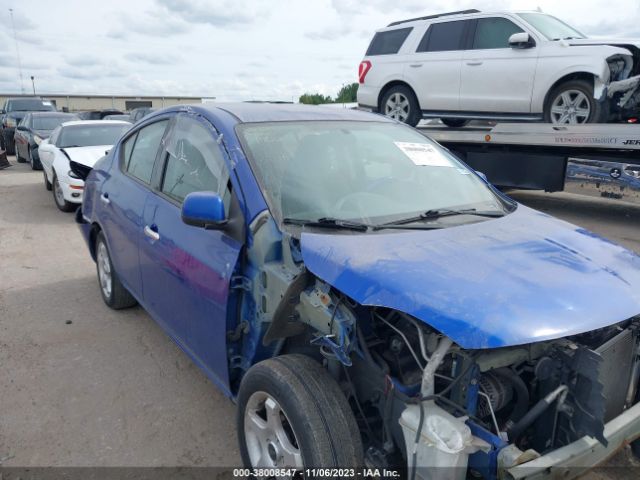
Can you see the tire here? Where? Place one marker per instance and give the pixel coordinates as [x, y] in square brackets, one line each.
[8, 147]
[313, 425]
[58, 198]
[47, 183]
[400, 103]
[35, 164]
[572, 102]
[19, 159]
[454, 122]
[114, 294]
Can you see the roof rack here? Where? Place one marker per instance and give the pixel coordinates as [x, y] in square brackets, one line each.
[459, 12]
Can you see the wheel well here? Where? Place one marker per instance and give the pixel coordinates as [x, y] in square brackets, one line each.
[572, 76]
[385, 89]
[93, 235]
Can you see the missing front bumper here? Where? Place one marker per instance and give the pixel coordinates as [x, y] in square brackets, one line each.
[574, 459]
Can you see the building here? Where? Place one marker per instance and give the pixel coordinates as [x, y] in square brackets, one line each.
[100, 102]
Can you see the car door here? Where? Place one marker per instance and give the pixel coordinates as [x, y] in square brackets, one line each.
[434, 69]
[496, 77]
[186, 271]
[122, 199]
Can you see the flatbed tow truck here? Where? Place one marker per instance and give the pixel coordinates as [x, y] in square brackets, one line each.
[600, 160]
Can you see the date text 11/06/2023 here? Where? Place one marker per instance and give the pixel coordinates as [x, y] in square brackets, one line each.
[364, 473]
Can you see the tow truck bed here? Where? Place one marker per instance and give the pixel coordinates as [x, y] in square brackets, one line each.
[596, 159]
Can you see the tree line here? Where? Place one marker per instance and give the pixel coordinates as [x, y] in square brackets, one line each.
[347, 94]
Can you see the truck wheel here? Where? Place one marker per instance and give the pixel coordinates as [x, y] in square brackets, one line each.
[400, 103]
[114, 294]
[572, 103]
[292, 413]
[454, 122]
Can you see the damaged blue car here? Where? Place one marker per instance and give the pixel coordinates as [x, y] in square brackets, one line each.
[365, 298]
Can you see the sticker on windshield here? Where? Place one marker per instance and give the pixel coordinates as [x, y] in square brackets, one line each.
[46, 103]
[423, 154]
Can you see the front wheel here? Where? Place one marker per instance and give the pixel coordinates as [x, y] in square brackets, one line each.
[292, 414]
[401, 104]
[573, 103]
[58, 197]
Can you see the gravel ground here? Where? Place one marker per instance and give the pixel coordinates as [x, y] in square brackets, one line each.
[82, 385]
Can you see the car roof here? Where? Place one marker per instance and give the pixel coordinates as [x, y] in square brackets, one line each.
[52, 114]
[94, 122]
[269, 112]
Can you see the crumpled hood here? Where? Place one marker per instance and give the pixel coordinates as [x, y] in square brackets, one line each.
[522, 278]
[87, 156]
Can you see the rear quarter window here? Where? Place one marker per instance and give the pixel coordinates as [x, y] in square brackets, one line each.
[389, 42]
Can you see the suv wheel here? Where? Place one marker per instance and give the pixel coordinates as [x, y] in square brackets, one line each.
[400, 103]
[292, 413]
[572, 103]
[454, 122]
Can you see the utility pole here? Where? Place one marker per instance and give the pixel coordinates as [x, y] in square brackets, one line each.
[15, 39]
[33, 84]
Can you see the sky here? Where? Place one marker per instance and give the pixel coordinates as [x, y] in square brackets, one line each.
[231, 50]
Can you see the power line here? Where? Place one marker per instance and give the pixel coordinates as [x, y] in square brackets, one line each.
[15, 39]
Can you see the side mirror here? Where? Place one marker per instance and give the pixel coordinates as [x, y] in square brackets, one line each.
[204, 210]
[521, 40]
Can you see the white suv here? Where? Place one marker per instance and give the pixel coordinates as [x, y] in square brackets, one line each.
[500, 66]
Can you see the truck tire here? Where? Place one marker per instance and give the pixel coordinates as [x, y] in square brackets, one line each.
[292, 413]
[572, 102]
[114, 294]
[400, 103]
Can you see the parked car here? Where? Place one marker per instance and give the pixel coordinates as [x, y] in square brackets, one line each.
[82, 142]
[364, 296]
[32, 130]
[13, 111]
[97, 114]
[121, 116]
[139, 113]
[499, 66]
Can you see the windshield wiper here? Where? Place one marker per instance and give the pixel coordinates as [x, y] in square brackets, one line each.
[328, 222]
[443, 212]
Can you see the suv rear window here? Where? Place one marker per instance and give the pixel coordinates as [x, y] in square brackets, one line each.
[389, 42]
[442, 37]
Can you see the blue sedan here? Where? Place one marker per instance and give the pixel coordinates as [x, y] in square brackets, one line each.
[365, 297]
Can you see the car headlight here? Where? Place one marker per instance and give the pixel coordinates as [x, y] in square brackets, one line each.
[73, 175]
[37, 139]
[10, 122]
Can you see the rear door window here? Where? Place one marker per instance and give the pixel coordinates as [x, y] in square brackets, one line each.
[494, 33]
[140, 151]
[389, 42]
[444, 36]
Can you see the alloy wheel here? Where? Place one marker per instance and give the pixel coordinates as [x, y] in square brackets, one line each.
[104, 270]
[570, 107]
[397, 107]
[270, 439]
[57, 192]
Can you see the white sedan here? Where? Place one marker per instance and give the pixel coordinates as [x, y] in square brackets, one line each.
[83, 142]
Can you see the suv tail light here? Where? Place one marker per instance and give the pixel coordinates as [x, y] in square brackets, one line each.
[363, 69]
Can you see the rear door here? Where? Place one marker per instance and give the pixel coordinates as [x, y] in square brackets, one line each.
[186, 271]
[494, 76]
[123, 197]
[434, 69]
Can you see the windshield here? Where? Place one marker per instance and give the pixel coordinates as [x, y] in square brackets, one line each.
[49, 122]
[360, 171]
[90, 135]
[551, 27]
[29, 105]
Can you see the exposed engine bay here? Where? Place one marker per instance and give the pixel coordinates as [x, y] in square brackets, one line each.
[624, 82]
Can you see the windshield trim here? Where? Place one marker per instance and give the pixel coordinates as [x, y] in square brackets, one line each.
[523, 16]
[508, 204]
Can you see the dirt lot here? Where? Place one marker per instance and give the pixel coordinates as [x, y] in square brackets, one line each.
[82, 385]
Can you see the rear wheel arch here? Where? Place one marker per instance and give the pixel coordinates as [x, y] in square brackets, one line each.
[385, 89]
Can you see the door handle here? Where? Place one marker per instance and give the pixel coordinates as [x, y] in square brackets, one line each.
[415, 65]
[474, 62]
[105, 198]
[151, 233]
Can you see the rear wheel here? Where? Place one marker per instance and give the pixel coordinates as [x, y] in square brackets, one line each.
[58, 196]
[400, 103]
[114, 294]
[573, 103]
[454, 122]
[292, 413]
